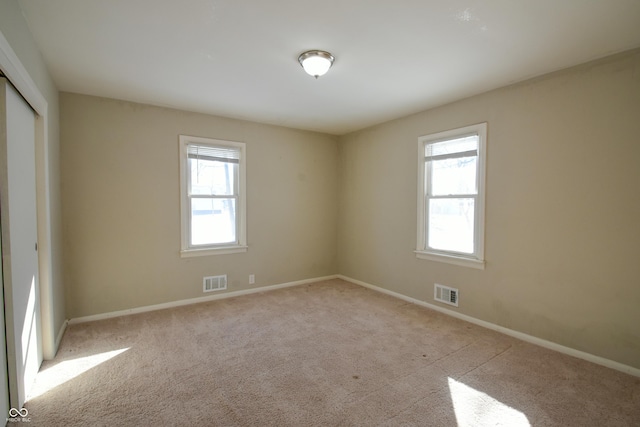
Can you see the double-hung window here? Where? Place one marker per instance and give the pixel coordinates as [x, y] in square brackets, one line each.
[451, 196]
[212, 187]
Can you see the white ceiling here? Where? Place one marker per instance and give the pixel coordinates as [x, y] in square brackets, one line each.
[238, 58]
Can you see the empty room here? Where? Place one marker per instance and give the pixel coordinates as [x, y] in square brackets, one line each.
[296, 213]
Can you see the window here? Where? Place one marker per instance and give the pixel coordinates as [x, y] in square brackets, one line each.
[212, 187]
[451, 196]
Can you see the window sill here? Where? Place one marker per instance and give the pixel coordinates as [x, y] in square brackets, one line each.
[223, 250]
[451, 259]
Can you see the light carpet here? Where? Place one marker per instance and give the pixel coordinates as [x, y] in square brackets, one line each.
[326, 354]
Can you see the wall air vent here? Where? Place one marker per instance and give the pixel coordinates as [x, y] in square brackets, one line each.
[214, 283]
[445, 294]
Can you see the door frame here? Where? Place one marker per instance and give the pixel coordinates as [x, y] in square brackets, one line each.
[19, 77]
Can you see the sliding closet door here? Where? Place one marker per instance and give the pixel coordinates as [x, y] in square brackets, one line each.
[4, 376]
[19, 242]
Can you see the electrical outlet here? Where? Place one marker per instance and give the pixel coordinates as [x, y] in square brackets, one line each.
[252, 279]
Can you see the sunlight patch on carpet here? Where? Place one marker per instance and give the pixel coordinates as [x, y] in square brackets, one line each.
[56, 375]
[475, 408]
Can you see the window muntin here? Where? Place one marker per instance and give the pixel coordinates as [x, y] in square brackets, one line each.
[212, 196]
[451, 196]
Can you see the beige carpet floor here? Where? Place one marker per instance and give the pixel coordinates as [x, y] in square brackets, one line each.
[326, 354]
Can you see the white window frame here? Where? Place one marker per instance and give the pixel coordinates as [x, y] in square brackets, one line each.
[476, 259]
[240, 245]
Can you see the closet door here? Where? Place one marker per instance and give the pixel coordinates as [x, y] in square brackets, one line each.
[4, 376]
[19, 243]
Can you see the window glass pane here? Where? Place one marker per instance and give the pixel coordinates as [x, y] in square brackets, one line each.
[213, 221]
[451, 146]
[212, 177]
[451, 223]
[454, 176]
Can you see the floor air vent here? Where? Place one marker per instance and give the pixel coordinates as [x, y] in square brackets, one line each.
[214, 283]
[446, 294]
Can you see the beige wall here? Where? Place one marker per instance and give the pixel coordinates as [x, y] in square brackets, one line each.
[561, 214]
[16, 31]
[562, 208]
[121, 205]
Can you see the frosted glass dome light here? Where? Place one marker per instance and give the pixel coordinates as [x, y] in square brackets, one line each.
[316, 63]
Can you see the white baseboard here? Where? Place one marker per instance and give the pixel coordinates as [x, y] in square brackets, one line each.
[63, 328]
[519, 335]
[510, 332]
[179, 303]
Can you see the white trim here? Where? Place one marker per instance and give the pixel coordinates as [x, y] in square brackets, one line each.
[61, 332]
[241, 205]
[190, 301]
[515, 334]
[475, 260]
[223, 250]
[450, 259]
[45, 261]
[20, 78]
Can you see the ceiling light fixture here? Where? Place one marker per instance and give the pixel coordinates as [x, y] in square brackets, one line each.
[316, 63]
